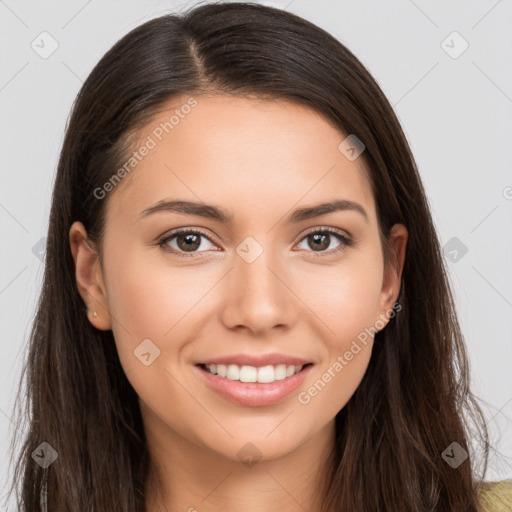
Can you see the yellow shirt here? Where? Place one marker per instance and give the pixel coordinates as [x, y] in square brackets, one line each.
[496, 496]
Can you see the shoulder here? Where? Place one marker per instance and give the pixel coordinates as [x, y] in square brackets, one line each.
[495, 496]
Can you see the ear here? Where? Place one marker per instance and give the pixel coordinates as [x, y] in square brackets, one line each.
[392, 277]
[89, 277]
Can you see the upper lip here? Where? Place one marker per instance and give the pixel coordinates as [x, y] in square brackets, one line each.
[257, 360]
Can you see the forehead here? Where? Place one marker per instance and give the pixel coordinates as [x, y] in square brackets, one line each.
[240, 152]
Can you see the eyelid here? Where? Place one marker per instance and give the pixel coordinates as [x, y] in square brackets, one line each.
[330, 229]
[186, 229]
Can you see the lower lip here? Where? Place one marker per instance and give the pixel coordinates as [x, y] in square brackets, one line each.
[254, 394]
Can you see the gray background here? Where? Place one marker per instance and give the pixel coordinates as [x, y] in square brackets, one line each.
[456, 111]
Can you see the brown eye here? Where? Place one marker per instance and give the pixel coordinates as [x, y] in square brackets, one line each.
[186, 241]
[321, 239]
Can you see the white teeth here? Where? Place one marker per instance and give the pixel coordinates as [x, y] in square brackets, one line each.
[233, 372]
[280, 372]
[262, 374]
[266, 374]
[248, 374]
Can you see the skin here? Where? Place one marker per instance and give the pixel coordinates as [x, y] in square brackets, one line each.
[270, 158]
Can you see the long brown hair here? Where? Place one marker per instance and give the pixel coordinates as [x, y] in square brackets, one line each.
[414, 400]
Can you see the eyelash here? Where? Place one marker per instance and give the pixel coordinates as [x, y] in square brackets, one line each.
[344, 239]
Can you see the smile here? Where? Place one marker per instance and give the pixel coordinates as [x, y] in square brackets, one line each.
[254, 386]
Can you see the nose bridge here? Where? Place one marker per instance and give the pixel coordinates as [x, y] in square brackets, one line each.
[260, 299]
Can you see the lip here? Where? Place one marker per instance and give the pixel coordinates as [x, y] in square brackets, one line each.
[257, 360]
[254, 394]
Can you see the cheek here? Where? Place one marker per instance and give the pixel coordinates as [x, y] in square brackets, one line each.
[345, 298]
[155, 303]
[346, 302]
[150, 300]
[334, 384]
[348, 308]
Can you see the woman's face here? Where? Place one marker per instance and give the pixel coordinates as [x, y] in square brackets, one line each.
[262, 283]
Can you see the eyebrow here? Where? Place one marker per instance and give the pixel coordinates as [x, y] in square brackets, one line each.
[221, 215]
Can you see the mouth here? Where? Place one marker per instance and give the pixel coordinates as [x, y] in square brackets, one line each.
[254, 386]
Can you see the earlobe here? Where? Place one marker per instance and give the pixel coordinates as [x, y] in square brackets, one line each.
[88, 277]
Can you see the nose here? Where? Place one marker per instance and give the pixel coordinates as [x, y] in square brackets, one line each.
[258, 297]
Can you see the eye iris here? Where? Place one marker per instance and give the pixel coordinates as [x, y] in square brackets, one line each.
[317, 237]
[189, 244]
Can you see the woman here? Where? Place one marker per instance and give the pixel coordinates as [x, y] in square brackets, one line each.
[244, 306]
